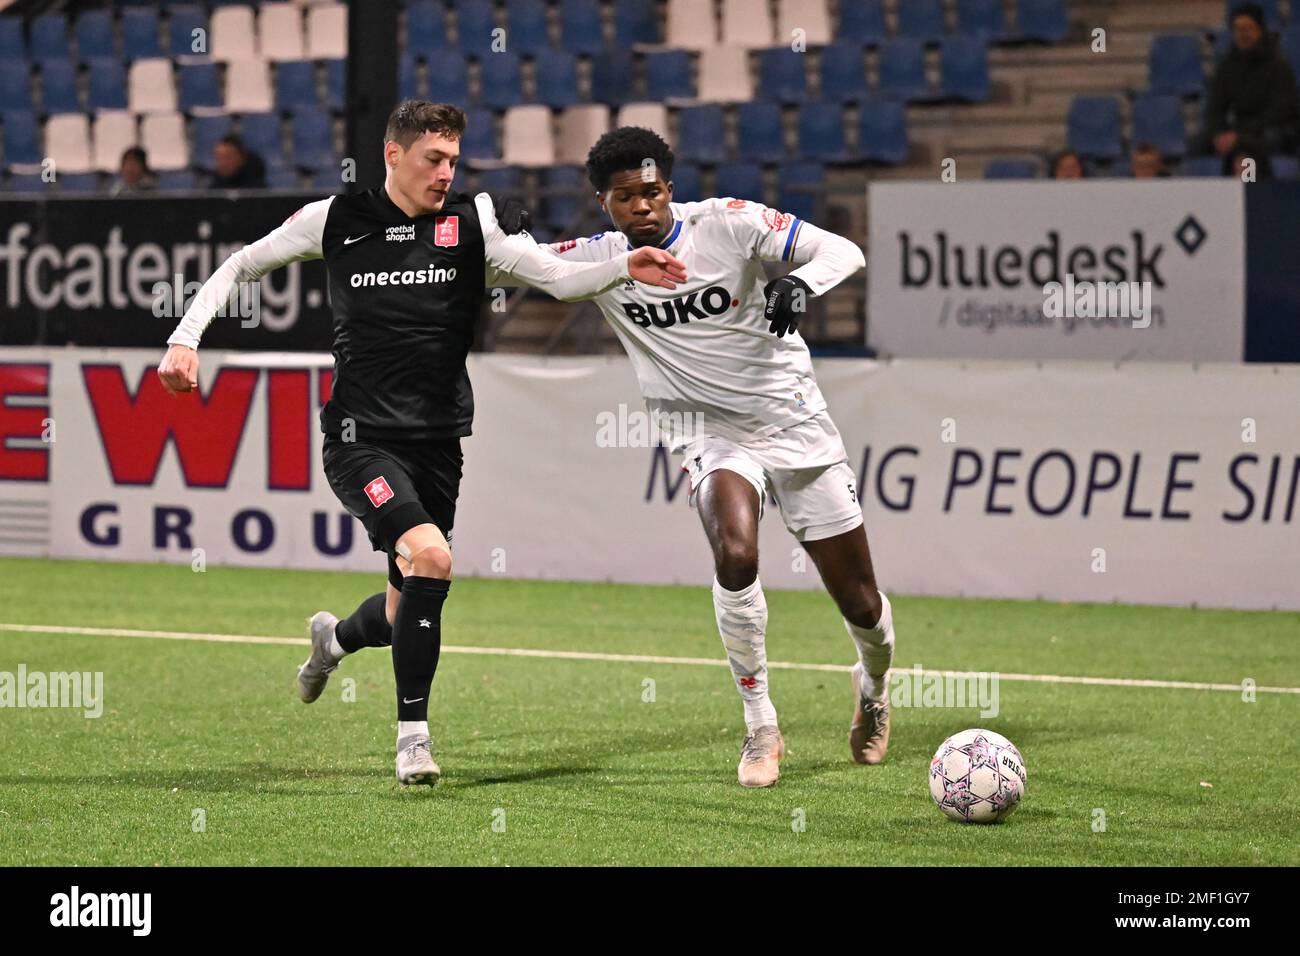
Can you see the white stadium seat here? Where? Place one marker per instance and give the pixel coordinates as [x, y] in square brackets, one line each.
[526, 138]
[151, 88]
[114, 132]
[327, 32]
[691, 25]
[810, 16]
[724, 75]
[279, 32]
[580, 126]
[67, 143]
[248, 87]
[163, 137]
[746, 23]
[651, 116]
[233, 36]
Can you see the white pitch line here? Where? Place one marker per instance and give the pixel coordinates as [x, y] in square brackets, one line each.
[644, 658]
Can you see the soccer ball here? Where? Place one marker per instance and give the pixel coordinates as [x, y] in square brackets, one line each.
[977, 776]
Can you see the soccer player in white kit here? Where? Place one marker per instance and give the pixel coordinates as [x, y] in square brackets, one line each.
[723, 349]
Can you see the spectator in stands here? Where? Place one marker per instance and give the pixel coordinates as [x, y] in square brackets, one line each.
[235, 166]
[1253, 101]
[133, 172]
[1147, 163]
[1235, 164]
[1067, 165]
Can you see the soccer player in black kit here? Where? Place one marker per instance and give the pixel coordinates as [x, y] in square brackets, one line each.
[408, 266]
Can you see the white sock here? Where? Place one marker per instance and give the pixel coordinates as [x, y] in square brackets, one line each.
[742, 623]
[406, 728]
[875, 649]
[335, 648]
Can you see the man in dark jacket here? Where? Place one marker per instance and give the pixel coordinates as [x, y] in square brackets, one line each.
[1253, 99]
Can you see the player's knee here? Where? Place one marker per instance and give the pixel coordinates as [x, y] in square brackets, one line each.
[431, 562]
[862, 606]
[737, 565]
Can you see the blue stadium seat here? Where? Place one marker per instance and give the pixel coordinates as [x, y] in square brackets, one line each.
[902, 70]
[449, 77]
[1272, 15]
[59, 87]
[261, 133]
[580, 30]
[921, 20]
[964, 69]
[557, 77]
[208, 130]
[668, 75]
[336, 83]
[49, 37]
[1011, 169]
[176, 179]
[107, 86]
[26, 183]
[79, 182]
[313, 141]
[634, 22]
[700, 134]
[479, 140]
[12, 46]
[561, 212]
[740, 181]
[1122, 168]
[1201, 166]
[426, 27]
[1174, 65]
[295, 85]
[862, 23]
[328, 180]
[1290, 43]
[15, 86]
[22, 138]
[140, 33]
[95, 35]
[500, 81]
[843, 72]
[782, 76]
[882, 132]
[760, 132]
[686, 183]
[795, 196]
[1158, 120]
[1285, 167]
[821, 132]
[181, 24]
[504, 181]
[200, 86]
[475, 22]
[611, 78]
[1044, 20]
[981, 18]
[286, 177]
[526, 27]
[409, 86]
[1093, 127]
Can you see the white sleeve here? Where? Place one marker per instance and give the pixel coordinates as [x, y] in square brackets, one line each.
[298, 238]
[518, 259]
[826, 259]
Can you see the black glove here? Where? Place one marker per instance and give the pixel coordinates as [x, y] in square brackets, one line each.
[787, 300]
[512, 215]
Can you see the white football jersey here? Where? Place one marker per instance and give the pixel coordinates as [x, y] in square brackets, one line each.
[702, 352]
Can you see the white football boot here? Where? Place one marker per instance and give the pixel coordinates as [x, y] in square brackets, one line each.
[313, 674]
[760, 757]
[415, 761]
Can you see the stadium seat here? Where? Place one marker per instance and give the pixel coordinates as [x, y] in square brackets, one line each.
[797, 194]
[232, 35]
[48, 39]
[336, 82]
[479, 140]
[150, 86]
[964, 69]
[526, 137]
[580, 126]
[208, 131]
[112, 133]
[261, 133]
[782, 77]
[22, 139]
[1011, 169]
[409, 86]
[327, 32]
[652, 116]
[760, 132]
[724, 75]
[686, 182]
[821, 133]
[140, 33]
[163, 137]
[475, 22]
[187, 32]
[1158, 120]
[200, 86]
[502, 181]
[328, 181]
[286, 177]
[1044, 20]
[580, 27]
[635, 23]
[843, 72]
[1272, 15]
[176, 179]
[1174, 65]
[668, 75]
[700, 134]
[747, 23]
[15, 86]
[811, 16]
[1093, 127]
[85, 182]
[562, 197]
[59, 87]
[312, 135]
[526, 27]
[611, 78]
[690, 25]
[981, 18]
[882, 132]
[448, 77]
[740, 181]
[556, 73]
[295, 86]
[921, 20]
[279, 32]
[106, 86]
[26, 183]
[248, 87]
[862, 23]
[426, 27]
[1201, 166]
[95, 35]
[499, 79]
[1285, 167]
[902, 70]
[67, 143]
[13, 48]
[1290, 43]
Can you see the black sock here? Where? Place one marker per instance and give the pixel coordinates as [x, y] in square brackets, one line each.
[417, 638]
[367, 627]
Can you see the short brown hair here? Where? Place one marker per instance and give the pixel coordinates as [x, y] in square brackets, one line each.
[411, 119]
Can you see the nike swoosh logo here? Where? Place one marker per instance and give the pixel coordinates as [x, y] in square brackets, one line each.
[349, 240]
[416, 701]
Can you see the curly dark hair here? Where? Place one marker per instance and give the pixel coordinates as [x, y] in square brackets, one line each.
[627, 147]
